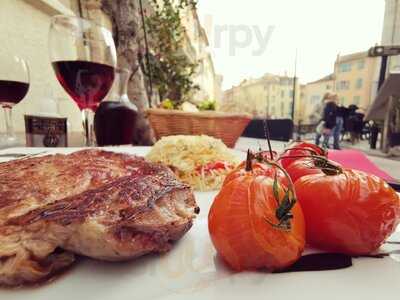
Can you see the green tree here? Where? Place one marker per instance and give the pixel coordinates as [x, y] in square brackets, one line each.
[171, 69]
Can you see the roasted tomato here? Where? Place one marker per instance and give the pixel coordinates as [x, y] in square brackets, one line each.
[255, 222]
[318, 150]
[311, 165]
[299, 150]
[348, 212]
[258, 168]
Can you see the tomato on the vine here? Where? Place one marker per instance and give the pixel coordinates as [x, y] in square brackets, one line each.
[255, 222]
[300, 150]
[306, 145]
[258, 168]
[310, 165]
[348, 212]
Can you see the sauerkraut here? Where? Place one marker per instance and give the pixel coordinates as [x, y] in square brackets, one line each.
[201, 161]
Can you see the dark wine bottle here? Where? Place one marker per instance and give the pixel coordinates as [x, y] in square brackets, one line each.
[116, 117]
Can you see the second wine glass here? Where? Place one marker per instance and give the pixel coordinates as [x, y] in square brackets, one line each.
[14, 85]
[83, 56]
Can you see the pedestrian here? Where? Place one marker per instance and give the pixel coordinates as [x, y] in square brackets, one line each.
[329, 118]
[337, 130]
[318, 115]
[346, 114]
[353, 124]
[360, 124]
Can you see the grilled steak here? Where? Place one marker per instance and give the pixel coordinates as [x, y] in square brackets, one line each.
[95, 203]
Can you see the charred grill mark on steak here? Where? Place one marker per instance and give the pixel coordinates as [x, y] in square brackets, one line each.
[95, 203]
[135, 193]
[67, 172]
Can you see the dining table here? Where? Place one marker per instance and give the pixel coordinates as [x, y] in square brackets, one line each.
[193, 270]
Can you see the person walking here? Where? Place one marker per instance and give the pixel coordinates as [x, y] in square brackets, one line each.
[329, 119]
[352, 123]
[318, 115]
[337, 130]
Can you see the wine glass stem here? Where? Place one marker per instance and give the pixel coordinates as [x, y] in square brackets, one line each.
[9, 122]
[87, 118]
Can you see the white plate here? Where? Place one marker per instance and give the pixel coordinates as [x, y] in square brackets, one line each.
[191, 270]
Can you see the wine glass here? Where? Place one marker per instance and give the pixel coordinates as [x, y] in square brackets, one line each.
[14, 85]
[83, 57]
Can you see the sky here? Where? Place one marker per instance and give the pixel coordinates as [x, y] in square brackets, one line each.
[249, 38]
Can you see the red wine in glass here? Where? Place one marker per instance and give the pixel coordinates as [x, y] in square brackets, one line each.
[85, 81]
[86, 69]
[12, 92]
[14, 85]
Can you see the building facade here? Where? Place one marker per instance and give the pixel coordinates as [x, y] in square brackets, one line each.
[354, 79]
[270, 95]
[218, 95]
[300, 110]
[196, 47]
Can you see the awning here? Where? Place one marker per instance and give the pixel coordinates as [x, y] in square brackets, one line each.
[378, 109]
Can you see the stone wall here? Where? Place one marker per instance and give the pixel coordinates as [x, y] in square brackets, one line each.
[24, 32]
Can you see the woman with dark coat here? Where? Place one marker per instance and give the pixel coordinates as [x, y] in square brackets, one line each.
[354, 123]
[329, 118]
[341, 112]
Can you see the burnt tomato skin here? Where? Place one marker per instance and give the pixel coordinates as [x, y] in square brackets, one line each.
[317, 149]
[351, 213]
[258, 169]
[300, 150]
[240, 231]
[310, 165]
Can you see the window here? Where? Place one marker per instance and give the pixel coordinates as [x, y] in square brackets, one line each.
[359, 83]
[282, 108]
[342, 100]
[284, 81]
[328, 87]
[361, 64]
[282, 94]
[315, 99]
[345, 67]
[291, 93]
[356, 100]
[343, 85]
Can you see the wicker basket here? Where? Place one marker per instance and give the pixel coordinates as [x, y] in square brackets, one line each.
[225, 126]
